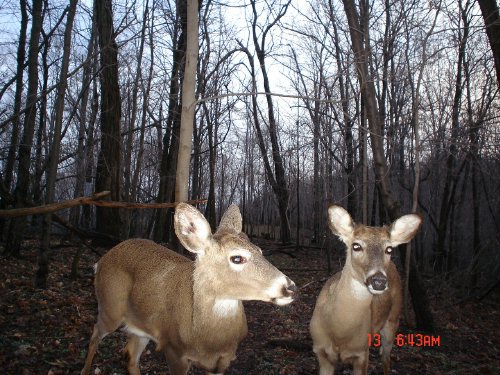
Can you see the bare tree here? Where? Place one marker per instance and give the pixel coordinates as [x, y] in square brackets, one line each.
[108, 173]
[83, 140]
[451, 180]
[43, 262]
[130, 133]
[16, 231]
[277, 178]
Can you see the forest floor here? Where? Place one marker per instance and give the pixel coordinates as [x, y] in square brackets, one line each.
[47, 331]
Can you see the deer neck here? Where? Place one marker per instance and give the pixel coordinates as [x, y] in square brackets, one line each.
[350, 306]
[351, 289]
[211, 309]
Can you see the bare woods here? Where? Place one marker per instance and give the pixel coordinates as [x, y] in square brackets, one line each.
[390, 108]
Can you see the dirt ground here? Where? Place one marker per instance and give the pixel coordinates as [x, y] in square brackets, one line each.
[47, 331]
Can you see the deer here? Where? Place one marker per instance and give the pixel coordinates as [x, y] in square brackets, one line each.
[364, 298]
[191, 309]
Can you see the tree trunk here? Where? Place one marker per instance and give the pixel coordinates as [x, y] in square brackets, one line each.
[188, 103]
[451, 176]
[138, 81]
[280, 188]
[140, 152]
[491, 16]
[16, 122]
[82, 139]
[212, 158]
[43, 261]
[40, 140]
[89, 152]
[347, 126]
[415, 91]
[168, 164]
[17, 227]
[108, 173]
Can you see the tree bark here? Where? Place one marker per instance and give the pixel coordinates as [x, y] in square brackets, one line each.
[108, 173]
[491, 16]
[16, 231]
[16, 122]
[168, 164]
[188, 103]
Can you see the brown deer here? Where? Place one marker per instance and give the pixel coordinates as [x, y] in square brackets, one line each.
[192, 310]
[363, 299]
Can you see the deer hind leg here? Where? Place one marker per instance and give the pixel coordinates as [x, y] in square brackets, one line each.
[387, 333]
[134, 348]
[98, 334]
[102, 328]
[95, 339]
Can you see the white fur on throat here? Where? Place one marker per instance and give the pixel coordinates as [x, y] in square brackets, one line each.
[359, 290]
[225, 307]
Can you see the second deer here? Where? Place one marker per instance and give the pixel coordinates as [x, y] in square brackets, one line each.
[192, 310]
[365, 298]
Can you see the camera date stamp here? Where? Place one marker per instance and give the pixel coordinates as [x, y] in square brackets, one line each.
[408, 339]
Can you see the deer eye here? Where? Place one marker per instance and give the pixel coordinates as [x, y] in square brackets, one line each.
[238, 259]
[356, 247]
[388, 250]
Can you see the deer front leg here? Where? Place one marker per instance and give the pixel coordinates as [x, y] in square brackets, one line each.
[222, 364]
[177, 364]
[327, 359]
[387, 333]
[360, 363]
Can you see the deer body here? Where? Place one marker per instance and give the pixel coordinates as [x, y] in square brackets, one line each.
[192, 310]
[364, 298]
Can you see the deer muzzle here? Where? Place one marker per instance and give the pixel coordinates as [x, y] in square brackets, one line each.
[288, 293]
[377, 283]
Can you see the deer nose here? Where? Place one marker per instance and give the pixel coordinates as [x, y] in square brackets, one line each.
[291, 288]
[377, 282]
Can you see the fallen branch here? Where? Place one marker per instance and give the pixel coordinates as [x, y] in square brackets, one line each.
[130, 205]
[48, 208]
[92, 200]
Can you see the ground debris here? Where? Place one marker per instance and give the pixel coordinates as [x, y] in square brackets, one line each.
[47, 331]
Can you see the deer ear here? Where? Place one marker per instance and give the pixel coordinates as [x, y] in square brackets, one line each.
[405, 228]
[340, 222]
[192, 228]
[231, 219]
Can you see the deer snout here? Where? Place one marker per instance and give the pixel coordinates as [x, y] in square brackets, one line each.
[377, 283]
[290, 289]
[287, 292]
